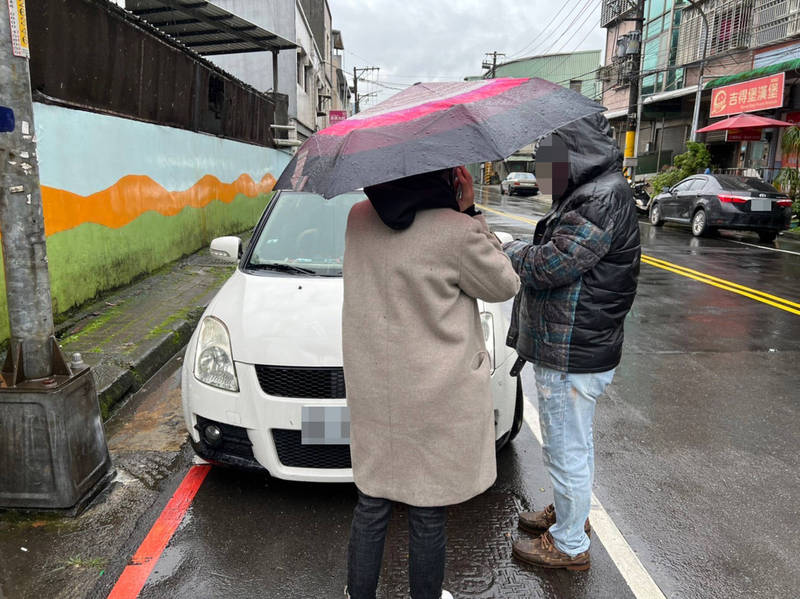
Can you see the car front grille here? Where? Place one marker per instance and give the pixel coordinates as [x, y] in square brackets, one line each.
[302, 382]
[234, 440]
[292, 452]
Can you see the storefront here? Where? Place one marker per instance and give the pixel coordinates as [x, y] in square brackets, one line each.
[771, 92]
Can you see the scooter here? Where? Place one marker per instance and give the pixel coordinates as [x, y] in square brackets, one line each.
[640, 196]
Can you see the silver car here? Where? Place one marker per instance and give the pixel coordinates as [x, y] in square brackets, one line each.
[521, 183]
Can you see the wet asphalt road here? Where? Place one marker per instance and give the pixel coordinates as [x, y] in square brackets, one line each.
[697, 460]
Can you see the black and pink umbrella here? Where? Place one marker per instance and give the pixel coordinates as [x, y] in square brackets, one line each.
[432, 126]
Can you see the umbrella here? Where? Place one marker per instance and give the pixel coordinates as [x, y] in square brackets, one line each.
[744, 121]
[432, 126]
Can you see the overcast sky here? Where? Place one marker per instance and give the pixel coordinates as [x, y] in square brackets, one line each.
[418, 40]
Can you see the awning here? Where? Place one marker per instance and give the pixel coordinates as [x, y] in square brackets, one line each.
[206, 28]
[744, 121]
[789, 65]
[660, 97]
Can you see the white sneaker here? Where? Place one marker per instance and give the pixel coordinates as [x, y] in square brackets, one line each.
[447, 594]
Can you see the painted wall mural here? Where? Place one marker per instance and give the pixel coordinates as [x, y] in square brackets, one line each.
[123, 197]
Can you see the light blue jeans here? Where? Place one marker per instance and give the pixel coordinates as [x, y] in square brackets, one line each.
[566, 412]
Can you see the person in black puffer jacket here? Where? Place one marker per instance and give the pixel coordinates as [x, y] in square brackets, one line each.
[578, 283]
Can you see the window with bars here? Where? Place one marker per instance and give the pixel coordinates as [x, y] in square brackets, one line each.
[729, 23]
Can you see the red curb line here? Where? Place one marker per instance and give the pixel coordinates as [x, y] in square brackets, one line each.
[135, 575]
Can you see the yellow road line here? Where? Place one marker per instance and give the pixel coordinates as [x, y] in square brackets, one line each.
[759, 296]
[663, 263]
[506, 214]
[707, 281]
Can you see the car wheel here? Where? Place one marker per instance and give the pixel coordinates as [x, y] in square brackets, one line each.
[536, 192]
[699, 223]
[767, 236]
[655, 215]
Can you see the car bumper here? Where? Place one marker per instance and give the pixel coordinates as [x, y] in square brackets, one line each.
[262, 432]
[266, 422]
[524, 188]
[731, 217]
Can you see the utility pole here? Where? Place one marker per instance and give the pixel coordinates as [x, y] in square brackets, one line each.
[53, 452]
[634, 54]
[356, 76]
[488, 167]
[699, 92]
[493, 65]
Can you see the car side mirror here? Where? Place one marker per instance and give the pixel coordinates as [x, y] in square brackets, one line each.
[665, 190]
[228, 249]
[504, 237]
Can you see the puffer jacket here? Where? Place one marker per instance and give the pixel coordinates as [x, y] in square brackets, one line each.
[579, 275]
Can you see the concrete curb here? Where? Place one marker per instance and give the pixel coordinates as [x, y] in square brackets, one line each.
[129, 380]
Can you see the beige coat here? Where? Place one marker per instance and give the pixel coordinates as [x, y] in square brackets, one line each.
[415, 362]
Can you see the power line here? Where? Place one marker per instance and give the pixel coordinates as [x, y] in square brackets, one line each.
[589, 15]
[538, 40]
[569, 28]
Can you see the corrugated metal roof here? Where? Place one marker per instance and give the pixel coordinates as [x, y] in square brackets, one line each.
[206, 28]
[558, 68]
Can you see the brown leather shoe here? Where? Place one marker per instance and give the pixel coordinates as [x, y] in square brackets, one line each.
[542, 552]
[538, 522]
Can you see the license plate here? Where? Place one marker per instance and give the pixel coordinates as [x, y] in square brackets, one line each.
[760, 205]
[325, 425]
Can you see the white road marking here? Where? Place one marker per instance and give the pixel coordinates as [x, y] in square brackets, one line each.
[763, 247]
[628, 564]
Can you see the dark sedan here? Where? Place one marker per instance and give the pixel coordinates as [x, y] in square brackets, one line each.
[710, 202]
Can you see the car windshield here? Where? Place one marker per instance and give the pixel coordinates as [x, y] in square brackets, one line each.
[303, 235]
[520, 176]
[731, 183]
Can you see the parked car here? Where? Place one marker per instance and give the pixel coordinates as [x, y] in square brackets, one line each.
[710, 202]
[265, 362]
[522, 183]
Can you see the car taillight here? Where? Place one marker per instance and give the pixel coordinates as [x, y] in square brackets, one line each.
[785, 203]
[516, 182]
[732, 199]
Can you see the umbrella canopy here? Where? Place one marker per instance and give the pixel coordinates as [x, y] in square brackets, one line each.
[432, 126]
[744, 121]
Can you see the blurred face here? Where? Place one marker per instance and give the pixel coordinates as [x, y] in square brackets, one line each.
[552, 166]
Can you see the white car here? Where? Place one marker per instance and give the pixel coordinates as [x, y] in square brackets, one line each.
[266, 358]
[520, 183]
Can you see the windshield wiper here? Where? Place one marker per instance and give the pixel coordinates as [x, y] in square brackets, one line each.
[279, 266]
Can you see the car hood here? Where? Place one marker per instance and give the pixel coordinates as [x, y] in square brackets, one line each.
[282, 320]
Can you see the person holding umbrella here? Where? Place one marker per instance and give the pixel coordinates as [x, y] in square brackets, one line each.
[579, 280]
[417, 255]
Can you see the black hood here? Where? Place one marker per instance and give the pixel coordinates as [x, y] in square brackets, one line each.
[592, 151]
[398, 201]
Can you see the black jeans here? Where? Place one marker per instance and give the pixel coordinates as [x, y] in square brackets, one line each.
[426, 548]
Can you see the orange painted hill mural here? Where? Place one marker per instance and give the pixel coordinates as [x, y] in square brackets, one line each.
[133, 195]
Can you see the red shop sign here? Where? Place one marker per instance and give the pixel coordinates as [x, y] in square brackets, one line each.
[757, 94]
[750, 134]
[336, 116]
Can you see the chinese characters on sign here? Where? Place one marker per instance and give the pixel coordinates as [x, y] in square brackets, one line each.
[749, 96]
[752, 134]
[335, 116]
[19, 28]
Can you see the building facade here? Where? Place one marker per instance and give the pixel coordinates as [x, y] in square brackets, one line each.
[312, 77]
[730, 41]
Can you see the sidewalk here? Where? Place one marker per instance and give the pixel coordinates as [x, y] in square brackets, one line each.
[128, 335]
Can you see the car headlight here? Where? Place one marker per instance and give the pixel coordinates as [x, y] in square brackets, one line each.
[213, 361]
[487, 322]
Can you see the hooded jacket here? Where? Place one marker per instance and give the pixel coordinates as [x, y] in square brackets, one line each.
[579, 275]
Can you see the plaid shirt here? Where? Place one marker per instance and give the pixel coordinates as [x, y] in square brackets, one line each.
[566, 245]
